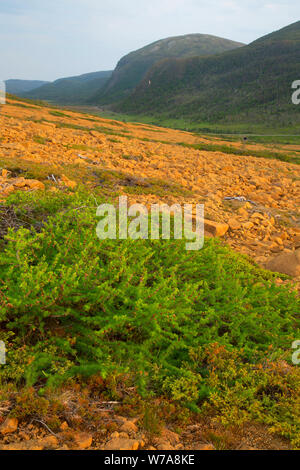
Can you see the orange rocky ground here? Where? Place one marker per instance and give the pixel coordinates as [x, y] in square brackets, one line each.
[42, 148]
[105, 429]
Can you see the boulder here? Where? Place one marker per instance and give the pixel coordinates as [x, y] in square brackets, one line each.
[47, 443]
[122, 444]
[286, 263]
[204, 447]
[129, 427]
[9, 426]
[83, 440]
[248, 225]
[35, 184]
[215, 228]
[234, 224]
[67, 182]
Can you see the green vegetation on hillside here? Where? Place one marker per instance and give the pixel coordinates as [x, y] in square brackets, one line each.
[251, 84]
[255, 131]
[71, 90]
[132, 68]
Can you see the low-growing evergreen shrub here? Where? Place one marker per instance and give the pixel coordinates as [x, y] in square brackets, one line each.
[80, 306]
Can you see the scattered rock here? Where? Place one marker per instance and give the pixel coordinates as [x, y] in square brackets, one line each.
[67, 182]
[129, 427]
[168, 440]
[286, 263]
[47, 443]
[278, 240]
[29, 445]
[257, 215]
[234, 224]
[20, 183]
[248, 225]
[83, 440]
[215, 228]
[24, 436]
[9, 426]
[122, 444]
[64, 426]
[204, 447]
[165, 445]
[242, 212]
[171, 436]
[35, 185]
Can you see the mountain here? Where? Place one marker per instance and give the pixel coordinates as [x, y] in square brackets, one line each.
[71, 90]
[15, 87]
[132, 68]
[251, 83]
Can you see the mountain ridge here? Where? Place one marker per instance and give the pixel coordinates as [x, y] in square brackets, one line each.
[71, 90]
[15, 86]
[241, 83]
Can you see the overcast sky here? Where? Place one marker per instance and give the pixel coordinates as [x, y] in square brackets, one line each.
[49, 39]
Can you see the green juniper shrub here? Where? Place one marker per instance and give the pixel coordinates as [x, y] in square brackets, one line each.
[82, 306]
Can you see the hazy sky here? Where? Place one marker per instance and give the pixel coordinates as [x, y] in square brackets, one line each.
[48, 39]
